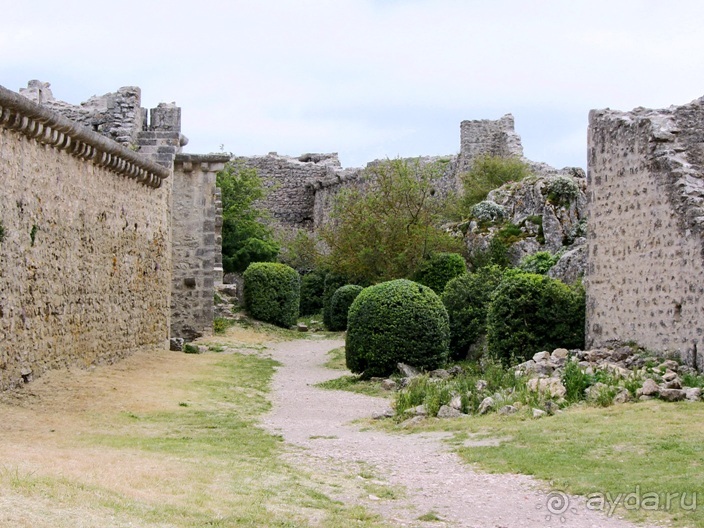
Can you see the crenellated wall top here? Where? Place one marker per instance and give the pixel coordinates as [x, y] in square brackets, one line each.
[25, 117]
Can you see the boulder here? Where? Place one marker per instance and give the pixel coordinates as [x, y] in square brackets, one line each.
[448, 412]
[407, 371]
[508, 409]
[439, 373]
[480, 385]
[693, 393]
[486, 405]
[541, 357]
[672, 395]
[388, 384]
[538, 413]
[622, 397]
[650, 388]
[386, 413]
[176, 344]
[456, 402]
[551, 386]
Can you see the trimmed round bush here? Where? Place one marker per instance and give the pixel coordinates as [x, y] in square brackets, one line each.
[530, 313]
[437, 270]
[272, 293]
[466, 299]
[340, 304]
[333, 281]
[396, 321]
[312, 286]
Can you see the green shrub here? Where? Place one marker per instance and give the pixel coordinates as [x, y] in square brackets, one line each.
[312, 287]
[220, 325]
[495, 254]
[488, 173]
[539, 262]
[466, 299]
[340, 304]
[394, 321]
[562, 190]
[576, 381]
[272, 293]
[529, 313]
[333, 281]
[438, 269]
[488, 211]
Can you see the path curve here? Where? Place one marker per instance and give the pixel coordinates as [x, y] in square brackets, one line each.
[435, 479]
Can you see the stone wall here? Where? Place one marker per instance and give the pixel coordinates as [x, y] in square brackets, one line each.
[85, 262]
[289, 197]
[645, 236]
[195, 230]
[488, 137]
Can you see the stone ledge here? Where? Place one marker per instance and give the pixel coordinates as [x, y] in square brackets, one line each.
[25, 117]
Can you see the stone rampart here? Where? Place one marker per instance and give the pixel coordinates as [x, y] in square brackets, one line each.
[85, 261]
[646, 229]
[197, 252]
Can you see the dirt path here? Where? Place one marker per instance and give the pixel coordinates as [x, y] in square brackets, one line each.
[434, 479]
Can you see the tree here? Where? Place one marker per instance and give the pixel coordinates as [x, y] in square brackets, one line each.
[245, 236]
[383, 228]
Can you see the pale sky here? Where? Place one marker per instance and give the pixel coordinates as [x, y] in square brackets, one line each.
[365, 78]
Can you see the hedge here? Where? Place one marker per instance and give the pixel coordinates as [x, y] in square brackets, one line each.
[340, 304]
[272, 293]
[396, 321]
[438, 269]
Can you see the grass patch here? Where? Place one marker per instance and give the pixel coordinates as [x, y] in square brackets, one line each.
[354, 383]
[653, 447]
[211, 464]
[336, 359]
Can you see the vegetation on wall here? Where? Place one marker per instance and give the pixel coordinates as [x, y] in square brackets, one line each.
[385, 231]
[486, 174]
[245, 236]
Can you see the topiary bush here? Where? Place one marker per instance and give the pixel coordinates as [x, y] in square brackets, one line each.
[466, 299]
[272, 293]
[438, 269]
[394, 321]
[312, 287]
[340, 304]
[333, 281]
[530, 313]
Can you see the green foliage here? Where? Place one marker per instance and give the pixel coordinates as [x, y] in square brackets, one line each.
[466, 299]
[2, 232]
[384, 230]
[576, 381]
[495, 254]
[529, 313]
[272, 293]
[220, 325]
[33, 233]
[562, 190]
[436, 270]
[539, 262]
[488, 211]
[245, 237]
[340, 304]
[190, 349]
[300, 249]
[488, 173]
[333, 281]
[396, 321]
[312, 288]
[510, 233]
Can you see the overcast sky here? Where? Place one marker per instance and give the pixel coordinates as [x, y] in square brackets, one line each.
[365, 78]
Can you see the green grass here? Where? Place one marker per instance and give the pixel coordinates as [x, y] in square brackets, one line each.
[234, 472]
[354, 383]
[336, 359]
[653, 447]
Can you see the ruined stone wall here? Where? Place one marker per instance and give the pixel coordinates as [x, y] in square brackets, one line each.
[116, 115]
[197, 253]
[488, 137]
[85, 263]
[290, 199]
[645, 235]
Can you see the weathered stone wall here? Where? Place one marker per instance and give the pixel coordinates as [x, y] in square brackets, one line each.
[488, 137]
[195, 229]
[289, 199]
[645, 236]
[85, 262]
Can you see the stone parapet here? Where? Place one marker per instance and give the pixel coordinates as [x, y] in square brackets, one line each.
[21, 115]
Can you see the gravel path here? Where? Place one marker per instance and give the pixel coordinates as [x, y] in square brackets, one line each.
[434, 479]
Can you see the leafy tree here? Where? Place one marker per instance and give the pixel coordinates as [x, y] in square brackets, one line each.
[384, 228]
[245, 236]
